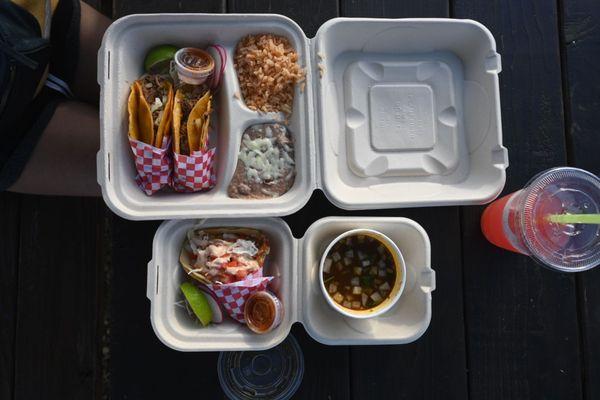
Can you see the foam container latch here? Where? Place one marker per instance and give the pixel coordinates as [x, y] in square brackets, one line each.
[394, 113]
[294, 264]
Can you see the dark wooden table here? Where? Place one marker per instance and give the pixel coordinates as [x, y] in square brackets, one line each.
[74, 319]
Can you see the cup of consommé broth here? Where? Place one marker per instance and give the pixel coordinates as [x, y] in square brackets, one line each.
[366, 259]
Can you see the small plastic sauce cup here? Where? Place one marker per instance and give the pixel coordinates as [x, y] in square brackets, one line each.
[263, 312]
[193, 66]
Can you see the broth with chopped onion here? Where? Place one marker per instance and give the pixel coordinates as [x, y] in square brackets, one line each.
[359, 272]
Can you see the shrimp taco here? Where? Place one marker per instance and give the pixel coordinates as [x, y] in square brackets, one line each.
[223, 255]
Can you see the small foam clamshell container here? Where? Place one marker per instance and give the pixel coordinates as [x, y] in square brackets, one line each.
[294, 264]
[394, 113]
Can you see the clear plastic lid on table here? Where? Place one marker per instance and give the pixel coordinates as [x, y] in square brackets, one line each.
[273, 374]
[294, 264]
[394, 113]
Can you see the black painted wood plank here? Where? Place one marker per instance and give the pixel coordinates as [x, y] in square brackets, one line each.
[581, 41]
[424, 376]
[9, 259]
[395, 9]
[327, 367]
[57, 326]
[104, 6]
[309, 14]
[521, 319]
[434, 367]
[141, 367]
[125, 7]
[581, 59]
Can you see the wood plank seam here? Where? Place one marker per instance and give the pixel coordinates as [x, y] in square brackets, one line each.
[579, 287]
[11, 376]
[565, 81]
[464, 285]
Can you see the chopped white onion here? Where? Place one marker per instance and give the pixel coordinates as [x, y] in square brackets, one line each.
[332, 288]
[376, 297]
[338, 297]
[327, 265]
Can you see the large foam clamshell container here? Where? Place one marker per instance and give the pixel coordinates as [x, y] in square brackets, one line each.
[395, 113]
[295, 265]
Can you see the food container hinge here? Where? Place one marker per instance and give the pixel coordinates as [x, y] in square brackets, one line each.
[152, 281]
[493, 63]
[427, 280]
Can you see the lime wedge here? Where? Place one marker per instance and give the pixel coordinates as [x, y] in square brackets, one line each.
[198, 302]
[158, 59]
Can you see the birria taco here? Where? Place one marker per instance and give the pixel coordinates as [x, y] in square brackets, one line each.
[191, 119]
[223, 255]
[150, 108]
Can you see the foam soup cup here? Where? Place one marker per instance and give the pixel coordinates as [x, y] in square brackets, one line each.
[397, 287]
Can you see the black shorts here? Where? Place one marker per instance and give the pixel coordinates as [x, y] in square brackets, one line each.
[64, 38]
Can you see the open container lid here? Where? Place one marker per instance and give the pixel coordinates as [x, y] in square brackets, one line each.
[395, 113]
[416, 113]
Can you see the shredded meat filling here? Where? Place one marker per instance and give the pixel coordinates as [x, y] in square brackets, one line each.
[191, 95]
[154, 87]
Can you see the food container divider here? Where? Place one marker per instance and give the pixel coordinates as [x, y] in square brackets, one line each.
[294, 263]
[394, 113]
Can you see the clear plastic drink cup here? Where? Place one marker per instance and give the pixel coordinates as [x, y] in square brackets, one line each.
[520, 222]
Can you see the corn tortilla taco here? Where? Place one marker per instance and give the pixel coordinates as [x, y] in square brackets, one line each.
[150, 107]
[191, 119]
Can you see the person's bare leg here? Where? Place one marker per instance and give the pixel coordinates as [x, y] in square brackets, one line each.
[64, 160]
[93, 24]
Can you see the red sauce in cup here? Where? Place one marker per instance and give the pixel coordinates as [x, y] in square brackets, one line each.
[194, 66]
[263, 312]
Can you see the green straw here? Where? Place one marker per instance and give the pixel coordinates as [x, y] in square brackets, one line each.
[574, 218]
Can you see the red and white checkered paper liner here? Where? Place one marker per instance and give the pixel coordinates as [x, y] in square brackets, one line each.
[153, 165]
[194, 173]
[233, 296]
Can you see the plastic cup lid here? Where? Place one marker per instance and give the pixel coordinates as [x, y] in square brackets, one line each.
[270, 374]
[566, 247]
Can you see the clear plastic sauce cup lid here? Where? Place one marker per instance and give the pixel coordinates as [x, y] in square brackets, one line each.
[565, 190]
[193, 64]
[270, 374]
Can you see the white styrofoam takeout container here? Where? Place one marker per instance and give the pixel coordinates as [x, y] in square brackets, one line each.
[395, 113]
[295, 264]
